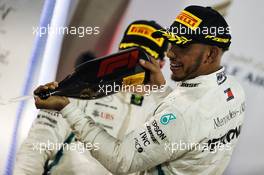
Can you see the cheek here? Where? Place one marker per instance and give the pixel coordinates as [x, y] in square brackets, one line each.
[187, 61]
[192, 58]
[189, 64]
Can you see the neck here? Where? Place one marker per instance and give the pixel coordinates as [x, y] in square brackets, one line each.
[207, 71]
[213, 69]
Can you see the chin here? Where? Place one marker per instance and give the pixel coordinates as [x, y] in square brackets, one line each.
[176, 78]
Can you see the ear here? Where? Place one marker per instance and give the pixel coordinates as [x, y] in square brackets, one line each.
[212, 54]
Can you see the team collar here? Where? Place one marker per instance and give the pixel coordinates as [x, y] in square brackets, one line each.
[215, 78]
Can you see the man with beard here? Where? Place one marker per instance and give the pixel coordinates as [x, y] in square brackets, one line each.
[50, 139]
[194, 129]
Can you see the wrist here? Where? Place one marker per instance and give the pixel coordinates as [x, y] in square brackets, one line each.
[64, 103]
[160, 80]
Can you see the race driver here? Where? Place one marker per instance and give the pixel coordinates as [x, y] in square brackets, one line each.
[195, 128]
[112, 113]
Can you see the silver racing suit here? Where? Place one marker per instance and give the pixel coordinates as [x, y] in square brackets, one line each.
[114, 113]
[192, 131]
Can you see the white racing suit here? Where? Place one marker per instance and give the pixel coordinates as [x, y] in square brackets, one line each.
[114, 113]
[193, 131]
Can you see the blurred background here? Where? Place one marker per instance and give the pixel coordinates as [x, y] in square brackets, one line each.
[41, 39]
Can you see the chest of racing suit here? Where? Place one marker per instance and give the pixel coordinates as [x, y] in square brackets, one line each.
[193, 131]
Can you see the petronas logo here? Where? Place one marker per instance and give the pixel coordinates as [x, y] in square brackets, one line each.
[165, 119]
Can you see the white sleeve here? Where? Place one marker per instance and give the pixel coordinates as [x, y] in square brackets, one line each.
[48, 130]
[142, 149]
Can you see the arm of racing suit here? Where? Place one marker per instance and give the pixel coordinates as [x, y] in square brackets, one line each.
[142, 149]
[48, 132]
[47, 129]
